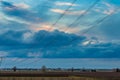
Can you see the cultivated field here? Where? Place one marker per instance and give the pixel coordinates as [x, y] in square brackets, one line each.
[56, 78]
[59, 75]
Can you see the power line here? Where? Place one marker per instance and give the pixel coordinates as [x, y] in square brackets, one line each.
[33, 62]
[21, 62]
[60, 17]
[99, 22]
[64, 13]
[16, 61]
[86, 31]
[79, 17]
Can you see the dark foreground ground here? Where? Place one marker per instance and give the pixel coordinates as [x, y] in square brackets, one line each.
[58, 74]
[34, 75]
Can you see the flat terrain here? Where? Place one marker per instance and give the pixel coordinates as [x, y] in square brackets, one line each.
[55, 78]
[36, 75]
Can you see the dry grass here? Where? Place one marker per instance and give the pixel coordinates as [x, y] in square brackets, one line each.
[55, 78]
[59, 75]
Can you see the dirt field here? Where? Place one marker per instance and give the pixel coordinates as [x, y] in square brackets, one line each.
[59, 75]
[56, 78]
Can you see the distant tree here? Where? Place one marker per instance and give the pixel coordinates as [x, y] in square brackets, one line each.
[44, 68]
[14, 68]
[59, 69]
[93, 70]
[72, 69]
[83, 70]
[117, 70]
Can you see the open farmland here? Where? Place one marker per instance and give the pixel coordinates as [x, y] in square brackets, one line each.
[59, 75]
[55, 78]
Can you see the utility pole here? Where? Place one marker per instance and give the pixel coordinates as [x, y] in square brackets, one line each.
[1, 59]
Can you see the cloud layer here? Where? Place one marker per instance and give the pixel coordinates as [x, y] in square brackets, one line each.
[15, 10]
[55, 44]
[42, 29]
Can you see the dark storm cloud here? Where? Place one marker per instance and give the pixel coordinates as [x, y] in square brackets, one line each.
[53, 39]
[56, 38]
[60, 45]
[105, 50]
[11, 38]
[12, 41]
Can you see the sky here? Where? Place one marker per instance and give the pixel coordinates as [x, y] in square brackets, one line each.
[60, 28]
